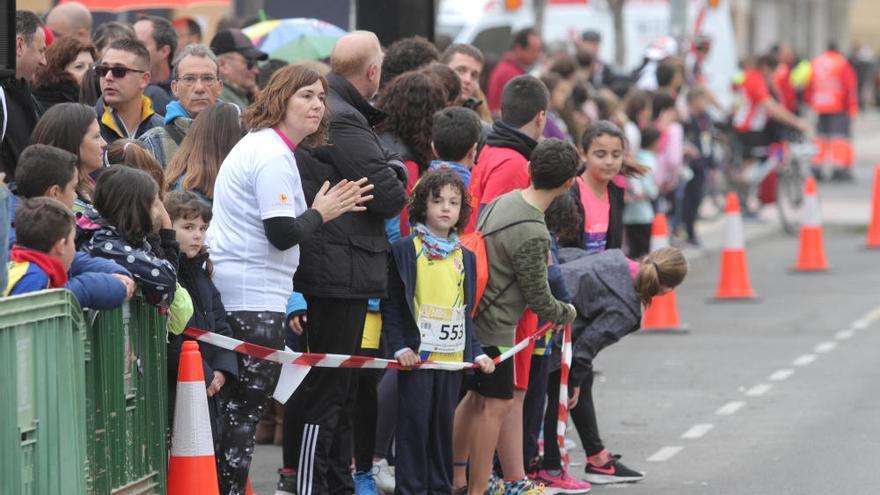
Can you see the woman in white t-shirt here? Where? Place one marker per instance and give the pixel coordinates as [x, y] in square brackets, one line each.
[260, 217]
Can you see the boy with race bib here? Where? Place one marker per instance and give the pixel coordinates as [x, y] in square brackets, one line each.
[427, 316]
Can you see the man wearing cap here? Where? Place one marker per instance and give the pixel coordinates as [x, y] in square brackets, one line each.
[238, 65]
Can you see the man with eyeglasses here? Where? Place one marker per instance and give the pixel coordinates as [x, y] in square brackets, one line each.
[123, 110]
[196, 85]
[238, 66]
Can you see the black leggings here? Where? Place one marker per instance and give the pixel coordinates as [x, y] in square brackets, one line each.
[248, 395]
[387, 412]
[583, 416]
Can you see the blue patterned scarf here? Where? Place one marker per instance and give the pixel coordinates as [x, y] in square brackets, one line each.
[436, 248]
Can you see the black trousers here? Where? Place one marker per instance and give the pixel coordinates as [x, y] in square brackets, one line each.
[533, 407]
[317, 429]
[583, 416]
[248, 395]
[638, 239]
[364, 412]
[693, 197]
[426, 408]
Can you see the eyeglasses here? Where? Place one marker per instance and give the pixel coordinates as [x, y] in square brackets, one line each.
[190, 80]
[118, 72]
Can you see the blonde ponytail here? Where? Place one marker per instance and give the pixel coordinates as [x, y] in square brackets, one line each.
[663, 268]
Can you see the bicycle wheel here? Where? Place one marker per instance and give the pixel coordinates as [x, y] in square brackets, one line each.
[790, 195]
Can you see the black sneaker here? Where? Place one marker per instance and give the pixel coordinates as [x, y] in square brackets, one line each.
[286, 483]
[612, 472]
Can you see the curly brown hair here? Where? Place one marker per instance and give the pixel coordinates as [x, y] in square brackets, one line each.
[62, 52]
[430, 185]
[564, 219]
[411, 100]
[271, 104]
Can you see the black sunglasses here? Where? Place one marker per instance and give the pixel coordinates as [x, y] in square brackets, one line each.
[118, 72]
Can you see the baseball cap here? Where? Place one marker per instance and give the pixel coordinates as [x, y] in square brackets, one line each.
[233, 40]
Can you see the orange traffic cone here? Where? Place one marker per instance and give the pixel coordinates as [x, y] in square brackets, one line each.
[662, 313]
[873, 241]
[248, 490]
[811, 257]
[191, 470]
[734, 281]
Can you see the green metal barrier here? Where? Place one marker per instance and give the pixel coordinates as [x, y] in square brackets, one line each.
[42, 395]
[91, 397]
[125, 395]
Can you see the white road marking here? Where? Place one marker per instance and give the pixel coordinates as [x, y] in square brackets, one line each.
[759, 389]
[781, 375]
[866, 320]
[665, 453]
[825, 347]
[861, 324]
[843, 335]
[730, 408]
[804, 360]
[697, 431]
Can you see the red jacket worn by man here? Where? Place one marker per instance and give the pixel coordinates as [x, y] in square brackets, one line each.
[833, 94]
[524, 52]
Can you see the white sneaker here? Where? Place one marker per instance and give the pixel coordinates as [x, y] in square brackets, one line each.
[384, 477]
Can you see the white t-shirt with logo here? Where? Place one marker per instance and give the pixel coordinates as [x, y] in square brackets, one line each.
[257, 180]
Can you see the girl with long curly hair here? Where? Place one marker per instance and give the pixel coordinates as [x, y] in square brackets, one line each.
[410, 101]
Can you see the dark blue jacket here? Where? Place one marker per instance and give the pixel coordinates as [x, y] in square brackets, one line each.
[398, 323]
[208, 314]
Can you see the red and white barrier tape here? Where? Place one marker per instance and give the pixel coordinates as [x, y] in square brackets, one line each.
[340, 360]
[563, 391]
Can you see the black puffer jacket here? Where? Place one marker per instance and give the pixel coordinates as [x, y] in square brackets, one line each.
[347, 258]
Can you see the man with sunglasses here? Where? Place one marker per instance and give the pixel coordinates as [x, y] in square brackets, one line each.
[238, 66]
[195, 82]
[123, 110]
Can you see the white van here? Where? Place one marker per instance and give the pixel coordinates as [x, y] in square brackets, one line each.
[489, 24]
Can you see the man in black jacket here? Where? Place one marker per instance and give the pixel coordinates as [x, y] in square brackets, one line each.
[341, 267]
[19, 109]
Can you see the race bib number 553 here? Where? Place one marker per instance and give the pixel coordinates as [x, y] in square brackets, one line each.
[441, 328]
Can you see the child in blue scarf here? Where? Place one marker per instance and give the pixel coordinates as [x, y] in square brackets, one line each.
[427, 316]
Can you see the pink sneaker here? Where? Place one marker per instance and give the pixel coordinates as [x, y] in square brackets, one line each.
[561, 482]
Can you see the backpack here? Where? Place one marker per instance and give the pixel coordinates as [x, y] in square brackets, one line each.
[476, 243]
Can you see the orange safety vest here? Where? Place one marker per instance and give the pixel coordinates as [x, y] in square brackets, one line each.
[833, 87]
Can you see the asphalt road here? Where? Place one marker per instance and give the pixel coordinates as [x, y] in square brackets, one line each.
[796, 374]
